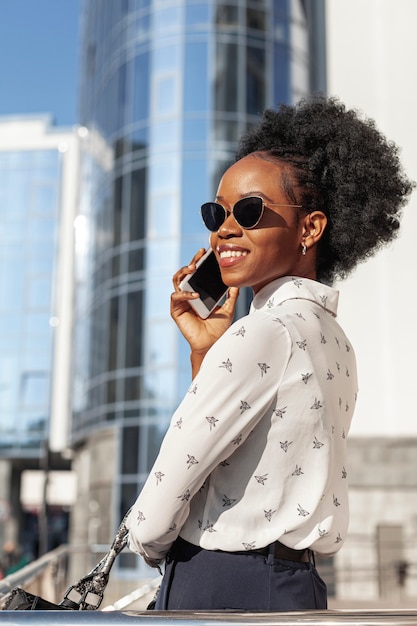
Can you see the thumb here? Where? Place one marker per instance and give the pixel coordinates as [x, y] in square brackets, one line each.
[230, 304]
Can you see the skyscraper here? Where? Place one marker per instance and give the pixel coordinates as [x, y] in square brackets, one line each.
[167, 88]
[38, 182]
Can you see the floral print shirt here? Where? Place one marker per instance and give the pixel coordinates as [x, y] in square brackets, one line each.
[256, 451]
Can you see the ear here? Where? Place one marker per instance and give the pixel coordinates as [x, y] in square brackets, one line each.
[313, 228]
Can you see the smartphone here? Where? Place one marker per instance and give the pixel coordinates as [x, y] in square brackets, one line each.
[206, 281]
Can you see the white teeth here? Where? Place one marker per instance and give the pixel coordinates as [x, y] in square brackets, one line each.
[226, 254]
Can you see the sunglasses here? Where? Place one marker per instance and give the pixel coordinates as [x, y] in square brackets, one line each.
[247, 212]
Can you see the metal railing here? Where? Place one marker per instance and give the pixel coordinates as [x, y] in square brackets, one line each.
[215, 618]
[47, 577]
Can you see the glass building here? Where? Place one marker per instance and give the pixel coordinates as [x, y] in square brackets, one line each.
[37, 190]
[167, 87]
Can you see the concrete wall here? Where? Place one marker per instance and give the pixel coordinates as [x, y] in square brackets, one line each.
[383, 521]
[93, 515]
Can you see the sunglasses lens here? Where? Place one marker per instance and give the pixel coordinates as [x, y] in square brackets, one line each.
[248, 211]
[213, 215]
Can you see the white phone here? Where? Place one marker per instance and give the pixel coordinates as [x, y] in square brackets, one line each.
[206, 281]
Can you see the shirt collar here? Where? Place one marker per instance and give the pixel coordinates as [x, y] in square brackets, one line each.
[292, 287]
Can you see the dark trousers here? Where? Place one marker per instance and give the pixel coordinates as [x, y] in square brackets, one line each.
[199, 579]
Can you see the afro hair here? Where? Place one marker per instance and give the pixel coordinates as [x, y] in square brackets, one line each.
[342, 165]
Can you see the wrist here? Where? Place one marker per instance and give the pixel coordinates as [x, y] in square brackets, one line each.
[196, 358]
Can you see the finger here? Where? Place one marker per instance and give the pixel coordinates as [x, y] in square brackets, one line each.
[189, 269]
[180, 299]
[230, 303]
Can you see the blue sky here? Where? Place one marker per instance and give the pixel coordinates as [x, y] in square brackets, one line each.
[39, 58]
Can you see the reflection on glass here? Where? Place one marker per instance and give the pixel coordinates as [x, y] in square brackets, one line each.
[36, 327]
[34, 388]
[166, 58]
[165, 134]
[165, 95]
[158, 297]
[196, 190]
[9, 377]
[42, 228]
[163, 173]
[141, 87]
[43, 197]
[196, 130]
[162, 257]
[39, 292]
[196, 84]
[163, 216]
[12, 274]
[160, 343]
[160, 385]
[166, 19]
[198, 16]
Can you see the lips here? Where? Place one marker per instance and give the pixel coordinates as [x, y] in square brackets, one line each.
[229, 255]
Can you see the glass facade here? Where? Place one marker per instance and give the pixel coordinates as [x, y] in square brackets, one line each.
[167, 87]
[29, 201]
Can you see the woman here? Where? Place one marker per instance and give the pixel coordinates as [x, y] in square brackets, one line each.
[251, 478]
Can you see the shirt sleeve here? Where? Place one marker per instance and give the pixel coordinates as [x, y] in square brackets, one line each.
[237, 382]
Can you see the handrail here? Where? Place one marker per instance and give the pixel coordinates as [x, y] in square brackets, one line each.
[215, 618]
[47, 576]
[29, 572]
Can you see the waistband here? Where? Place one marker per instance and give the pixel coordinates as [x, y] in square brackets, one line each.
[184, 549]
[284, 552]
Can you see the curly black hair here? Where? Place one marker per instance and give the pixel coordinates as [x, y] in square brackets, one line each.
[342, 165]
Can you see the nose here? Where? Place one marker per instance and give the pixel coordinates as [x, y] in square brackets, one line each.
[229, 228]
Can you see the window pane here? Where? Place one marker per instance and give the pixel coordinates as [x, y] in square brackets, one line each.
[255, 19]
[39, 292]
[227, 16]
[255, 85]
[196, 85]
[195, 192]
[130, 453]
[137, 205]
[163, 216]
[134, 329]
[114, 325]
[160, 344]
[141, 82]
[34, 389]
[226, 85]
[165, 95]
[197, 16]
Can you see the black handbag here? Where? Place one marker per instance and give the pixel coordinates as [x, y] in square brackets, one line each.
[86, 595]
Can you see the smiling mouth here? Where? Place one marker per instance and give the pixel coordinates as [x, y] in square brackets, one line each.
[228, 254]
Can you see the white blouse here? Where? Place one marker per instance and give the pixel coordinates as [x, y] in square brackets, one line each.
[256, 451]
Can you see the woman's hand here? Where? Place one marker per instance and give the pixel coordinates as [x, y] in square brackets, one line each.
[200, 333]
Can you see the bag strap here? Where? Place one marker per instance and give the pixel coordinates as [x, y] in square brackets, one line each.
[87, 594]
